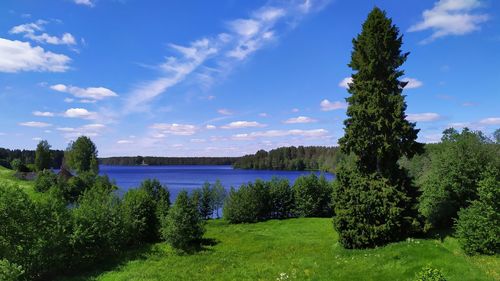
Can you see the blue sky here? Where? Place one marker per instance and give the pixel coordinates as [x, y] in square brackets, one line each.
[227, 77]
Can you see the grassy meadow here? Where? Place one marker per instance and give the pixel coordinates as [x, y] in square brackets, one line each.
[302, 249]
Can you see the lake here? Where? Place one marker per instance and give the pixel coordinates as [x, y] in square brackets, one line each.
[177, 178]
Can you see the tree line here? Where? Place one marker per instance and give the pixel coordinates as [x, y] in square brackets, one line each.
[27, 158]
[292, 158]
[155, 161]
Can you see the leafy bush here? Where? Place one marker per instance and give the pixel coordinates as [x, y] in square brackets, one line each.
[452, 180]
[161, 196]
[281, 198]
[183, 227]
[478, 226]
[219, 194]
[19, 166]
[98, 227]
[250, 203]
[312, 196]
[10, 271]
[139, 211]
[370, 210]
[45, 180]
[430, 274]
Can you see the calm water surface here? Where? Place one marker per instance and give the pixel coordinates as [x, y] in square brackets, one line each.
[191, 177]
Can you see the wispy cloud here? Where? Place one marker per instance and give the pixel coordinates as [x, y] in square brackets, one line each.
[80, 113]
[89, 130]
[490, 121]
[35, 124]
[327, 105]
[43, 113]
[300, 120]
[88, 95]
[281, 133]
[412, 83]
[423, 117]
[450, 17]
[88, 3]
[243, 37]
[345, 82]
[242, 124]
[224, 111]
[174, 129]
[34, 31]
[16, 56]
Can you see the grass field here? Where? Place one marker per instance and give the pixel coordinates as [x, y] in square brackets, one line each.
[303, 249]
[7, 177]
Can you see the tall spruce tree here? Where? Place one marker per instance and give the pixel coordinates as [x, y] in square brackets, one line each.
[373, 198]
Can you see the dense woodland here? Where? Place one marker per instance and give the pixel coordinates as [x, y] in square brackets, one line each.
[154, 161]
[28, 157]
[292, 158]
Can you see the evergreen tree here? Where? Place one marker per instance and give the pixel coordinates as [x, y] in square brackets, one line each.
[374, 200]
[42, 156]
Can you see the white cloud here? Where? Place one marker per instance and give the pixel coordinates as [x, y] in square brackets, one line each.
[242, 124]
[89, 130]
[295, 110]
[300, 120]
[423, 117]
[125, 142]
[35, 124]
[263, 114]
[37, 139]
[198, 140]
[210, 127]
[88, 95]
[450, 17]
[88, 3]
[345, 82]
[16, 56]
[175, 129]
[327, 105]
[79, 113]
[490, 121]
[224, 111]
[68, 100]
[316, 133]
[43, 113]
[30, 31]
[412, 83]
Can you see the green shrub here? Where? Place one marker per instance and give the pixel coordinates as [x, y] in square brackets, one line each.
[138, 207]
[183, 227]
[430, 274]
[478, 226]
[19, 166]
[313, 196]
[370, 210]
[98, 227]
[45, 180]
[249, 203]
[10, 271]
[161, 196]
[281, 198]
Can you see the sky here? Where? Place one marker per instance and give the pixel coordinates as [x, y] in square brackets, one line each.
[230, 77]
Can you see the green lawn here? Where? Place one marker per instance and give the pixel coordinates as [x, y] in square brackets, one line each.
[7, 177]
[303, 249]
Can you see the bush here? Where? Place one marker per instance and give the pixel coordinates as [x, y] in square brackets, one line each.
[10, 271]
[183, 227]
[250, 203]
[219, 195]
[45, 180]
[370, 210]
[161, 196]
[98, 227]
[39, 226]
[312, 196]
[281, 198]
[430, 274]
[478, 226]
[18, 166]
[138, 207]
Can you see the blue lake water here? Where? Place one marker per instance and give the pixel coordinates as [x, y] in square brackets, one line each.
[177, 178]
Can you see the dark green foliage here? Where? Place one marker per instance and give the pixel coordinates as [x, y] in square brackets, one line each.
[45, 180]
[496, 136]
[374, 200]
[370, 210]
[219, 194]
[453, 175]
[33, 234]
[10, 271]
[183, 227]
[478, 226]
[292, 158]
[28, 156]
[206, 199]
[43, 158]
[430, 274]
[281, 198]
[81, 155]
[249, 203]
[18, 165]
[98, 227]
[139, 211]
[161, 197]
[313, 196]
